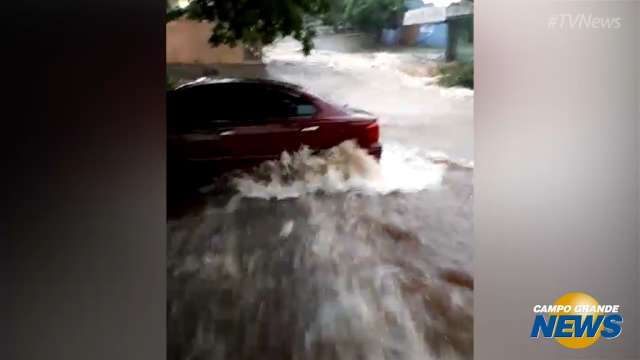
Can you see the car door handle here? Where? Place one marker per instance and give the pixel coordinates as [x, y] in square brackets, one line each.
[226, 133]
[310, 128]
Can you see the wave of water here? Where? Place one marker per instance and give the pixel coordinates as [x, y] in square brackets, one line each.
[345, 167]
[355, 261]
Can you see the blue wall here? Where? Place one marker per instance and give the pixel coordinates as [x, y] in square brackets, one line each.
[433, 35]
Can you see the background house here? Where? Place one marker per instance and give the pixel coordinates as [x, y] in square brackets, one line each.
[447, 28]
[190, 55]
[187, 43]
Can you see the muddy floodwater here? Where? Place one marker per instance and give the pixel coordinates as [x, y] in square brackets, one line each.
[333, 255]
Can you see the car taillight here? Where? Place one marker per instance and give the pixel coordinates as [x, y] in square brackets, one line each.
[372, 133]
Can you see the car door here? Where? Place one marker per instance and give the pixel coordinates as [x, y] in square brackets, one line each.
[237, 124]
[265, 123]
[322, 130]
[198, 118]
[294, 120]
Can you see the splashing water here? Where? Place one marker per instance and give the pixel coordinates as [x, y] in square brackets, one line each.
[322, 277]
[330, 271]
[343, 168]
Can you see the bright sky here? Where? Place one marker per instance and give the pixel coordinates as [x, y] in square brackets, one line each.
[441, 3]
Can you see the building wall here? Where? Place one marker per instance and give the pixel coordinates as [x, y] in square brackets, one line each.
[187, 43]
[433, 35]
[409, 34]
[461, 38]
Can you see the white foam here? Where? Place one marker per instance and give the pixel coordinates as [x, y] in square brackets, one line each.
[287, 227]
[343, 168]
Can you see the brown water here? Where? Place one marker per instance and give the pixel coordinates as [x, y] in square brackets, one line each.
[344, 268]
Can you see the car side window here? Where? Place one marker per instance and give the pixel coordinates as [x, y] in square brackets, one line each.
[212, 106]
[305, 109]
[293, 106]
[199, 108]
[272, 103]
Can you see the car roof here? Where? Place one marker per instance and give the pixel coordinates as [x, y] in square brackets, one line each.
[213, 81]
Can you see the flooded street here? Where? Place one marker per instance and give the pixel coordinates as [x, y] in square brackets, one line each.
[333, 255]
[411, 108]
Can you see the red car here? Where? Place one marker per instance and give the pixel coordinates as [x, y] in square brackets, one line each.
[232, 123]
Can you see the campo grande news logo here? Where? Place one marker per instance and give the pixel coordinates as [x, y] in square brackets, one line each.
[576, 320]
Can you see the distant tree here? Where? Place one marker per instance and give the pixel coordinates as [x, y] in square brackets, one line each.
[254, 22]
[365, 15]
[373, 15]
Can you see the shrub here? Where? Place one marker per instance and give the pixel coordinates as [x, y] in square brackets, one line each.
[456, 74]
